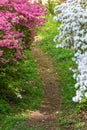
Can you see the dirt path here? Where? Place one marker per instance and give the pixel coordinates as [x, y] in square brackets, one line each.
[46, 116]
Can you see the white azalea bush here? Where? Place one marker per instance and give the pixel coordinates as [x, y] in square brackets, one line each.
[73, 34]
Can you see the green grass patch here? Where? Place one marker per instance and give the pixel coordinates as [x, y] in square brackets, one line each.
[62, 59]
[24, 80]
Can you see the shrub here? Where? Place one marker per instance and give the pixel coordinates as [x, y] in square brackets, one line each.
[18, 20]
[73, 34]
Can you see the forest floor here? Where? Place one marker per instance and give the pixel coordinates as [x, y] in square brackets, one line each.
[46, 116]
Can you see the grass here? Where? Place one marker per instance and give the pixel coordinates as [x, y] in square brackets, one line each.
[25, 81]
[69, 115]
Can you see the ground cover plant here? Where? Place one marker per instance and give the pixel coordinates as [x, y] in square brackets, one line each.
[25, 82]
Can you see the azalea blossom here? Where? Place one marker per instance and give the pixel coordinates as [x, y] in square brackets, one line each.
[73, 33]
[19, 96]
[18, 20]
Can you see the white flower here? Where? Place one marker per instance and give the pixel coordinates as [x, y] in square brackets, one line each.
[73, 33]
[55, 18]
[76, 99]
[77, 85]
[58, 46]
[86, 94]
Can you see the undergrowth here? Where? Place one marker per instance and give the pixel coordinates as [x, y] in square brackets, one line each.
[24, 80]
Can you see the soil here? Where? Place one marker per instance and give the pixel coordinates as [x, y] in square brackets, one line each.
[47, 115]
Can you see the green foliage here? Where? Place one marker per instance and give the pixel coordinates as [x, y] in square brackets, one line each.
[51, 4]
[24, 80]
[18, 81]
[50, 7]
[79, 125]
[4, 106]
[27, 38]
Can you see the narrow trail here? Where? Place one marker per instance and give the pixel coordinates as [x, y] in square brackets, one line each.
[47, 115]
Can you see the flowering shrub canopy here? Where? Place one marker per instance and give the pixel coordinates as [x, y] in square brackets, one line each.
[73, 33]
[18, 19]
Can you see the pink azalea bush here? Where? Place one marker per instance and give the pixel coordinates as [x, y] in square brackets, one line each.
[18, 20]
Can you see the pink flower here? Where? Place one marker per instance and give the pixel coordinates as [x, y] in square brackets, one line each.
[19, 96]
[1, 53]
[15, 15]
